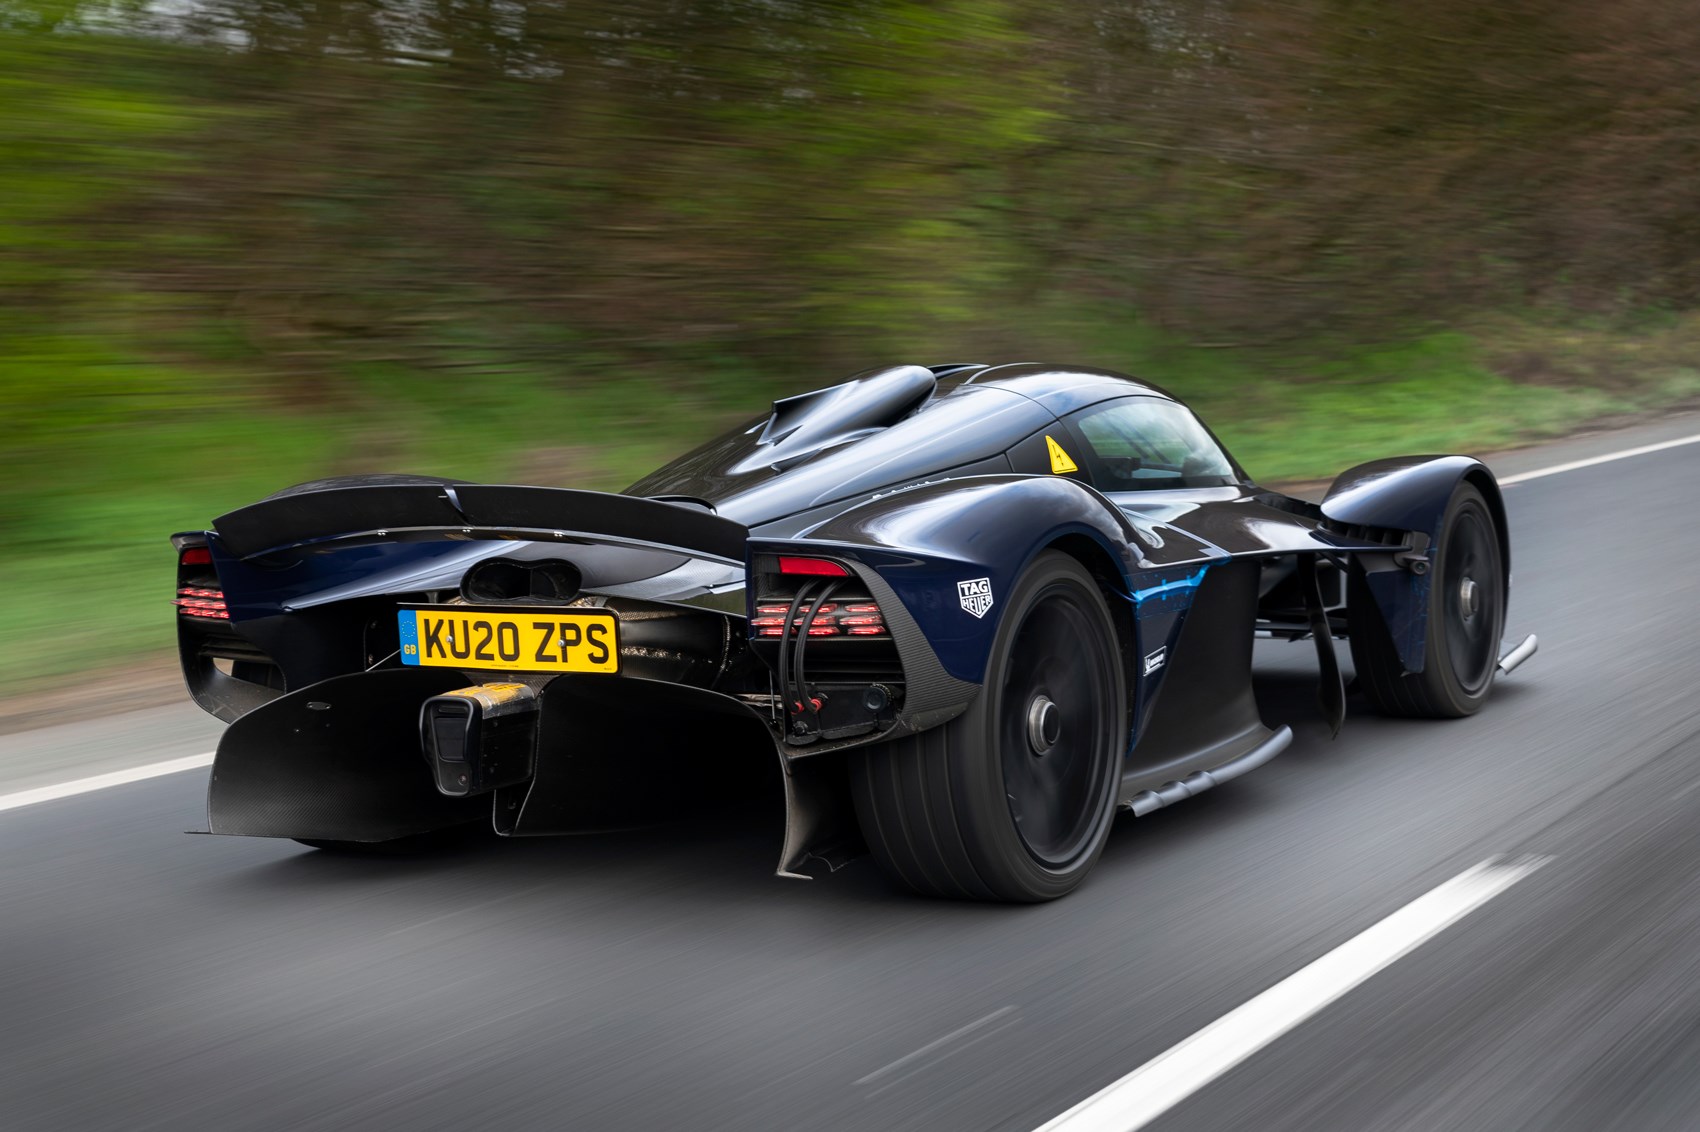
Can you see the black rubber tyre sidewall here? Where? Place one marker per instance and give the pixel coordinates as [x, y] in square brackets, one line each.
[1448, 691]
[988, 830]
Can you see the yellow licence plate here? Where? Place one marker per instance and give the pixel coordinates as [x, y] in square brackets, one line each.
[539, 640]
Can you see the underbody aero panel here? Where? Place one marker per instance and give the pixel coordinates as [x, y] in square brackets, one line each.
[338, 761]
[1199, 711]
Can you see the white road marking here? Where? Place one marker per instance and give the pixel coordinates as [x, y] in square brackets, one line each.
[909, 1059]
[1171, 1077]
[1624, 454]
[102, 781]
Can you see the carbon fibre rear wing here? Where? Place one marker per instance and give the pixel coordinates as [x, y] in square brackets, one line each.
[413, 512]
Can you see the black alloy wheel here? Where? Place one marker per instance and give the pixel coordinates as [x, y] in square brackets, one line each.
[1466, 619]
[1471, 589]
[1012, 800]
[1053, 738]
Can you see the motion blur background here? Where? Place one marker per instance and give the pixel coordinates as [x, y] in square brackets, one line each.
[245, 243]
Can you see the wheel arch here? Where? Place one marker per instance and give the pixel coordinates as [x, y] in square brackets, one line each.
[1411, 494]
[921, 542]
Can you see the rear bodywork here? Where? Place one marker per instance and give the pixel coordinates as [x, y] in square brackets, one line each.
[825, 577]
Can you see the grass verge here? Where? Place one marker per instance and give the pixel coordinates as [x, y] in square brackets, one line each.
[133, 453]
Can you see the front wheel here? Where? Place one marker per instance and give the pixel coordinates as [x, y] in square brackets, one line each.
[1465, 620]
[1013, 799]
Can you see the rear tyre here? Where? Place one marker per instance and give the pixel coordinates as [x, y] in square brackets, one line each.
[1466, 618]
[1013, 799]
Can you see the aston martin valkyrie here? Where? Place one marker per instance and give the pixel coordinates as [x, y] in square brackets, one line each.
[962, 614]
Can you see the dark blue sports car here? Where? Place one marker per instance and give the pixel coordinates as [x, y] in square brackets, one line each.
[968, 612]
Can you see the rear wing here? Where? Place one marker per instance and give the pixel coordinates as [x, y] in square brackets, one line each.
[414, 512]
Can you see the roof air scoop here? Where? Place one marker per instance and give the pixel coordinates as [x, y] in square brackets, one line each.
[809, 423]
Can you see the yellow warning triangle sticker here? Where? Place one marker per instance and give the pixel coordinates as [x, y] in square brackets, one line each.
[1060, 462]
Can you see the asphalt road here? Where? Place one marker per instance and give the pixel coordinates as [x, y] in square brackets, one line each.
[665, 979]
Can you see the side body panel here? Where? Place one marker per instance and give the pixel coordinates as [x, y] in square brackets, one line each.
[1186, 572]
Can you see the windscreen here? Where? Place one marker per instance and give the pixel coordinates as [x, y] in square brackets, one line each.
[1149, 444]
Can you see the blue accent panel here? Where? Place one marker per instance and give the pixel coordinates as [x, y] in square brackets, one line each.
[1402, 598]
[1160, 600]
[1161, 593]
[927, 588]
[409, 624]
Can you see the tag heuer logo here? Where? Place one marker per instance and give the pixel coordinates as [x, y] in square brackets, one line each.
[976, 595]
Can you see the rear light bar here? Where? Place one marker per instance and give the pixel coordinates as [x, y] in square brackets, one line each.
[816, 567]
[195, 556]
[194, 601]
[856, 619]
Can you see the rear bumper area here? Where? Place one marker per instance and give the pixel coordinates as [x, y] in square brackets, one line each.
[343, 760]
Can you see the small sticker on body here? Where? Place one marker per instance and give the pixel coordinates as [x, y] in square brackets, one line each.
[975, 595]
[1155, 660]
[1061, 462]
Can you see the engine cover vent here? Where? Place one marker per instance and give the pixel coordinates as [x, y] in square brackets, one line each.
[810, 423]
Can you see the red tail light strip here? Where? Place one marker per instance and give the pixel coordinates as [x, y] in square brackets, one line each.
[854, 619]
[817, 567]
[193, 601]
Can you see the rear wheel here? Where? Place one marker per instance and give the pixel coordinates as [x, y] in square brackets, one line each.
[1013, 799]
[1466, 618]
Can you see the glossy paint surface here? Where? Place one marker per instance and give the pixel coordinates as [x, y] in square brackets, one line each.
[926, 541]
[1407, 493]
[967, 425]
[1063, 389]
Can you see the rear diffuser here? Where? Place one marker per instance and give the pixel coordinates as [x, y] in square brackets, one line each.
[339, 760]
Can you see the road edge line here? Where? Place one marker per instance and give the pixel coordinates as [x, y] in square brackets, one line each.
[1607, 458]
[1172, 1076]
[102, 781]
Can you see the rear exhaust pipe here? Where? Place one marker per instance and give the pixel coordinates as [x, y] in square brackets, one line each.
[481, 737]
[1509, 662]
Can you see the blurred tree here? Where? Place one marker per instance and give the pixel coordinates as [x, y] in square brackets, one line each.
[333, 183]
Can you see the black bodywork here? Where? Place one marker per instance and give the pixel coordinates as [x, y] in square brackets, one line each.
[929, 490]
